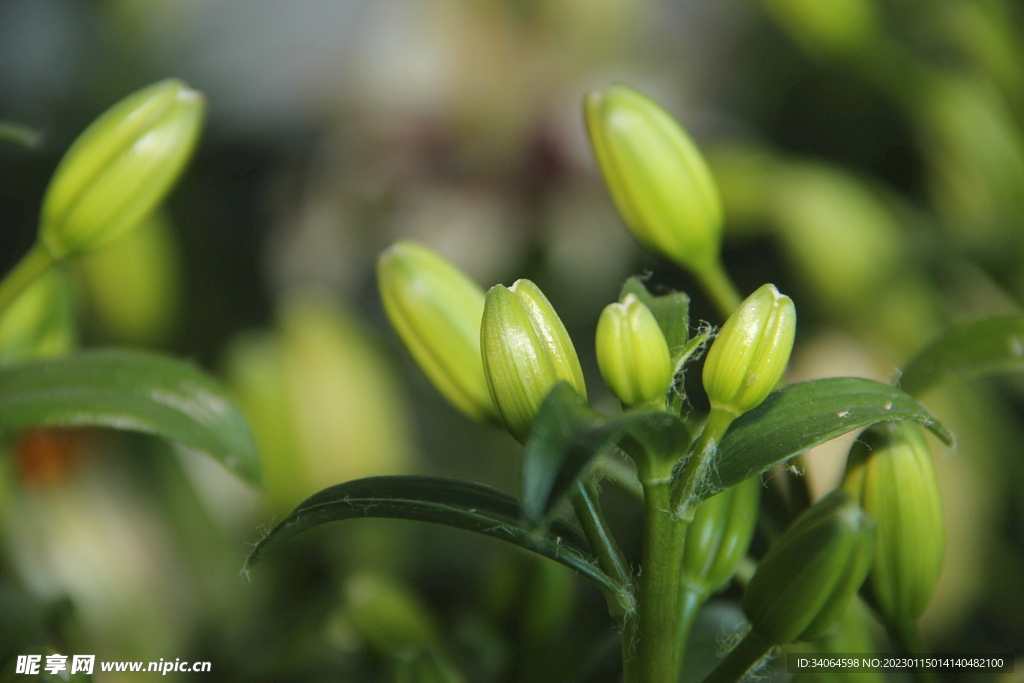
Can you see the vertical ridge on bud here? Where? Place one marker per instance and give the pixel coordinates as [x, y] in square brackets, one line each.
[750, 353]
[890, 471]
[656, 176]
[526, 351]
[632, 353]
[719, 536]
[120, 167]
[436, 310]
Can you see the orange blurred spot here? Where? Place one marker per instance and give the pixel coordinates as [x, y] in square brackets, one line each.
[45, 455]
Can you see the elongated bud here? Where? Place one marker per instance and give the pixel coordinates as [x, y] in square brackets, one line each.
[526, 352]
[890, 471]
[810, 574]
[120, 168]
[656, 176]
[750, 353]
[632, 353]
[719, 536]
[40, 321]
[436, 310]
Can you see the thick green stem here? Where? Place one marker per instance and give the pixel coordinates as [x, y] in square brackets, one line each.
[720, 288]
[684, 497]
[738, 662]
[907, 636]
[32, 265]
[659, 591]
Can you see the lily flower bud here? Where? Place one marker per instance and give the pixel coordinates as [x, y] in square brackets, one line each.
[808, 577]
[750, 353]
[656, 176]
[436, 310]
[120, 168]
[526, 352]
[890, 471]
[632, 353]
[719, 536]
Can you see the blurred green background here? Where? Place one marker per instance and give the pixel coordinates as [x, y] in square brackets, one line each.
[870, 155]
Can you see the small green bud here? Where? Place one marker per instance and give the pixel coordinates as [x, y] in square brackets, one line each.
[719, 536]
[834, 28]
[526, 352]
[890, 471]
[656, 176]
[388, 615]
[120, 168]
[750, 353]
[632, 353]
[436, 310]
[808, 577]
[40, 321]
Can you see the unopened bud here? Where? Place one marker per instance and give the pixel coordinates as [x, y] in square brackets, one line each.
[40, 321]
[890, 471]
[808, 577]
[656, 176]
[719, 536]
[632, 353]
[436, 310]
[526, 352]
[120, 168]
[750, 353]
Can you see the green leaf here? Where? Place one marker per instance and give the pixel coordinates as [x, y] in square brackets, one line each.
[130, 390]
[672, 311]
[801, 416]
[567, 435]
[973, 349]
[450, 502]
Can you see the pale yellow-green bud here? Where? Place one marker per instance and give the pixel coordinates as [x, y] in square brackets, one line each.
[526, 352]
[436, 310]
[40, 321]
[810, 574]
[890, 471]
[120, 168]
[751, 350]
[656, 176]
[632, 353]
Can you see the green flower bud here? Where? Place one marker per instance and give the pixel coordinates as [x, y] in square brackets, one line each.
[40, 321]
[632, 353]
[838, 27]
[719, 536]
[120, 168]
[656, 176]
[807, 579]
[750, 353]
[437, 310]
[890, 471]
[526, 352]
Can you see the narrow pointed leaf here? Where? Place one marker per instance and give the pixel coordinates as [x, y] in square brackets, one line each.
[973, 349]
[568, 435]
[449, 502]
[801, 416]
[134, 391]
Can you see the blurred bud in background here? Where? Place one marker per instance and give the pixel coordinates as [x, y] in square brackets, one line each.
[40, 321]
[835, 28]
[526, 352]
[120, 168]
[840, 234]
[437, 312]
[323, 402]
[133, 285]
